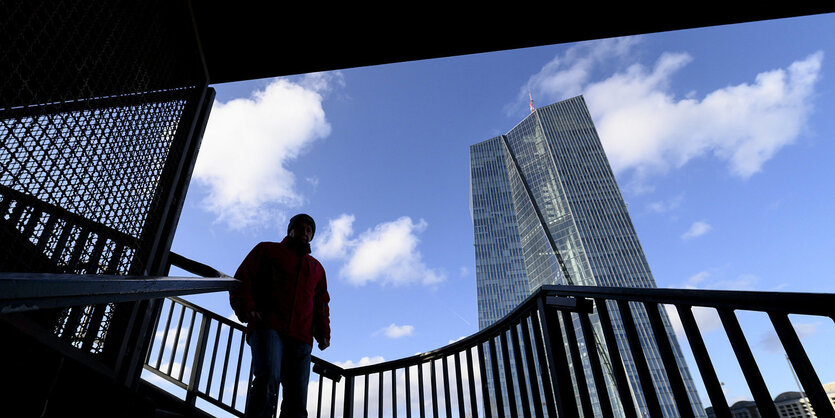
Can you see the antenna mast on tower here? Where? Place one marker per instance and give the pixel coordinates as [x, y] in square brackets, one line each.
[531, 104]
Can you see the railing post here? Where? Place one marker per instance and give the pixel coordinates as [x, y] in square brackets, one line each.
[555, 350]
[763, 399]
[594, 363]
[624, 392]
[199, 355]
[348, 401]
[580, 377]
[671, 368]
[801, 364]
[639, 359]
[705, 365]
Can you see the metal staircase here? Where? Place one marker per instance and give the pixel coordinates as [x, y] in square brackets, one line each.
[102, 109]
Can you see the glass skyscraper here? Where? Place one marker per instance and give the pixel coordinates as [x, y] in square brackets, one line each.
[550, 176]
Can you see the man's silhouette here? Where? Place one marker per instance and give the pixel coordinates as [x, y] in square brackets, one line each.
[283, 298]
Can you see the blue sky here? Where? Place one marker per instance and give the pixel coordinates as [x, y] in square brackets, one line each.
[721, 140]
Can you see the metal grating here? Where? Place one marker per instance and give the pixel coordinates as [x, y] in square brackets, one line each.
[96, 106]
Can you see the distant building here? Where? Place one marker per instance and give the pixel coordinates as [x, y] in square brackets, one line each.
[793, 404]
[789, 405]
[830, 392]
[745, 409]
[547, 210]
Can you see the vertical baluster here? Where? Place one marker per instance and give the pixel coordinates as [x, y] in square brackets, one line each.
[16, 214]
[447, 403]
[5, 203]
[237, 369]
[577, 362]
[199, 357]
[380, 394]
[520, 371]
[420, 391]
[93, 327]
[408, 392]
[434, 386]
[365, 398]
[552, 335]
[319, 398]
[497, 387]
[662, 341]
[61, 244]
[188, 344]
[165, 334]
[635, 347]
[150, 346]
[801, 364]
[93, 261]
[176, 339]
[471, 384]
[596, 370]
[78, 248]
[616, 361]
[533, 378]
[214, 359]
[482, 370]
[333, 398]
[750, 371]
[508, 374]
[459, 384]
[225, 363]
[348, 398]
[115, 257]
[706, 369]
[394, 393]
[71, 325]
[545, 374]
[47, 232]
[29, 229]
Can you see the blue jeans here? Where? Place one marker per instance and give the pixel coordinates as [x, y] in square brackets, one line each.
[277, 359]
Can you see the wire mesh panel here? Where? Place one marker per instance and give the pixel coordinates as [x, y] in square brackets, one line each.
[98, 101]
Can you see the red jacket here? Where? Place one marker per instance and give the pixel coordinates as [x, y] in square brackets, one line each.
[288, 288]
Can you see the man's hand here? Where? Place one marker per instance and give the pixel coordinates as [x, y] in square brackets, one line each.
[324, 343]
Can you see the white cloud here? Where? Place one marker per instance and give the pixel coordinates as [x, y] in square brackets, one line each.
[249, 142]
[334, 241]
[694, 280]
[396, 331]
[365, 361]
[646, 129]
[771, 342]
[386, 254]
[707, 319]
[697, 229]
[664, 206]
[742, 282]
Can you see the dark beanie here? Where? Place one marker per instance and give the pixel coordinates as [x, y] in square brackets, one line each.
[303, 218]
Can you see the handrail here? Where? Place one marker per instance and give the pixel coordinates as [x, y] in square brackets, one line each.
[31, 291]
[794, 302]
[210, 332]
[521, 365]
[194, 267]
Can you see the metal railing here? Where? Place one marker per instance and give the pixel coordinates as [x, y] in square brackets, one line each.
[519, 366]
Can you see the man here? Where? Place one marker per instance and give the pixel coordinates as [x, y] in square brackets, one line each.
[283, 298]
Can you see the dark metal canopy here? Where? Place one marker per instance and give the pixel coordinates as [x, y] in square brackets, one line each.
[250, 40]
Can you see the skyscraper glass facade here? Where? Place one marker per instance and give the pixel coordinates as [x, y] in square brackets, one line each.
[547, 185]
